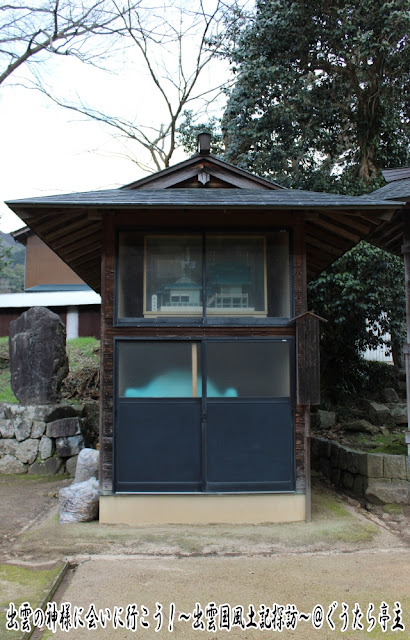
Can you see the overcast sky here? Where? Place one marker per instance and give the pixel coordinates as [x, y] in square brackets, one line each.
[46, 149]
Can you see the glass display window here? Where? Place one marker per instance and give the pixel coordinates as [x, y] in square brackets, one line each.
[203, 276]
[235, 275]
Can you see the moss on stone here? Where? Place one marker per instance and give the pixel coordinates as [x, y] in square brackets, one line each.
[23, 584]
[393, 508]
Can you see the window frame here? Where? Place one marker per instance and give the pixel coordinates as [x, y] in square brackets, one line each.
[205, 319]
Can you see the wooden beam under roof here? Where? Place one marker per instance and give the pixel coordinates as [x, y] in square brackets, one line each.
[332, 238]
[337, 229]
[361, 226]
[326, 248]
[82, 249]
[78, 235]
[61, 227]
[85, 259]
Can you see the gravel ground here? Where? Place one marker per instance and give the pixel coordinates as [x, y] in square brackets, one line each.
[346, 554]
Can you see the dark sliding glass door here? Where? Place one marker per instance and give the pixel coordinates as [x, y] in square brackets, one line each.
[210, 415]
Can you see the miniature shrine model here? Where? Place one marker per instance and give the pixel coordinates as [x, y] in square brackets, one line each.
[209, 356]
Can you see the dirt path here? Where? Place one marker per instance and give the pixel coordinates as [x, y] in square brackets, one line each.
[24, 502]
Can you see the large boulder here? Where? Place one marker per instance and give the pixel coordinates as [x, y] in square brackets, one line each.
[385, 492]
[378, 413]
[38, 358]
[399, 414]
[8, 447]
[46, 447]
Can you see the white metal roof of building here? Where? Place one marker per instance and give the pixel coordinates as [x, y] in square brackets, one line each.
[49, 299]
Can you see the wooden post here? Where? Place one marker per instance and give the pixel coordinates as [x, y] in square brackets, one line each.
[307, 382]
[308, 503]
[406, 349]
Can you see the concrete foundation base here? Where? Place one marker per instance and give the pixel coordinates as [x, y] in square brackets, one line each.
[201, 509]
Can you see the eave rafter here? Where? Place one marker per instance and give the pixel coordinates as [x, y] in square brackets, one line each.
[75, 239]
[72, 225]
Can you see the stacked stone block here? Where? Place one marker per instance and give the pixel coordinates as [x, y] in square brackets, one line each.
[44, 439]
[380, 478]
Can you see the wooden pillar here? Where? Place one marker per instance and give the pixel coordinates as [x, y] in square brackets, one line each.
[406, 349]
[106, 357]
[308, 484]
[300, 289]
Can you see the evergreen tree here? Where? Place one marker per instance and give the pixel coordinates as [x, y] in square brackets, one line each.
[362, 297]
[321, 99]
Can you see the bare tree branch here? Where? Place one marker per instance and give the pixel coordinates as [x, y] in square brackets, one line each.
[62, 27]
[172, 42]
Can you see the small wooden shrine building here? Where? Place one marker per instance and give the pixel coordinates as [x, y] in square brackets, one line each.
[209, 357]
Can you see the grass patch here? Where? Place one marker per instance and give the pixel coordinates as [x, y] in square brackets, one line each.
[14, 478]
[4, 347]
[394, 444]
[326, 505]
[353, 533]
[83, 352]
[6, 394]
[22, 584]
[83, 381]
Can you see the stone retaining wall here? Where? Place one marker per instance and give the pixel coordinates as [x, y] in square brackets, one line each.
[380, 478]
[45, 439]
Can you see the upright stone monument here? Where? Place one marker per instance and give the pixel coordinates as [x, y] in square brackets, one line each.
[38, 357]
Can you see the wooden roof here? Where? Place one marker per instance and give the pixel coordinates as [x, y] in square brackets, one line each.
[389, 235]
[22, 235]
[390, 175]
[206, 198]
[71, 224]
[396, 190]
